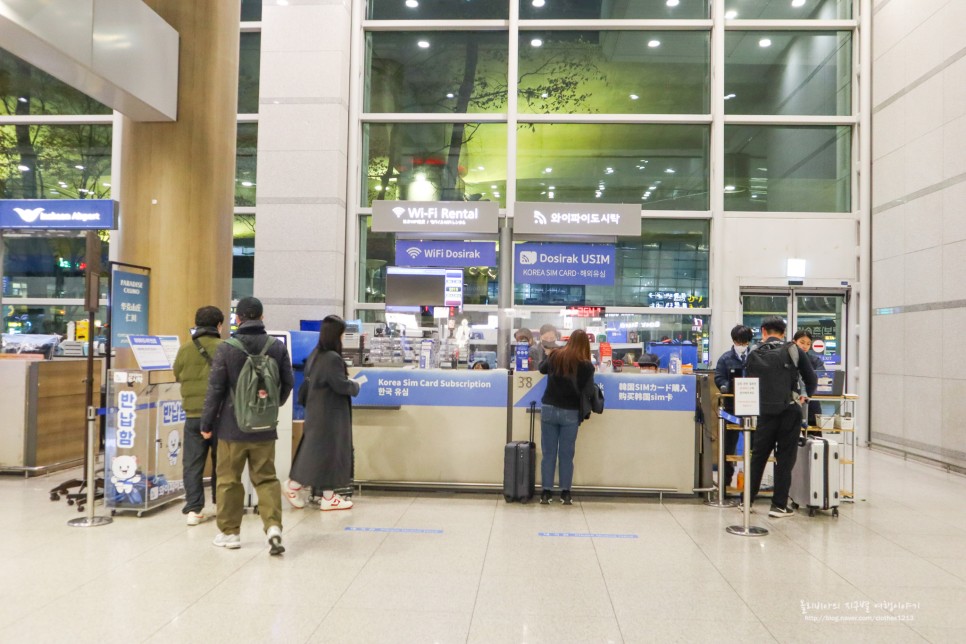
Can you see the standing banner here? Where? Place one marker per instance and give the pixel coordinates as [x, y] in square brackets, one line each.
[129, 305]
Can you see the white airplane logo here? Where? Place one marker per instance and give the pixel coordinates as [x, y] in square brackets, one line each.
[29, 215]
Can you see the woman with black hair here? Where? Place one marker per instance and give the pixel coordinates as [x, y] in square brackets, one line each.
[323, 460]
[568, 371]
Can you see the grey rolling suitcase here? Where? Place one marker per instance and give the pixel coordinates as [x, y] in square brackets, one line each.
[520, 466]
[816, 476]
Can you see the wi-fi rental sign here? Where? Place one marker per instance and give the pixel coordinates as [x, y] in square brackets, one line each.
[448, 218]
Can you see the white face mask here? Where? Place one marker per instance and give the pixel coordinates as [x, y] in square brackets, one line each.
[740, 349]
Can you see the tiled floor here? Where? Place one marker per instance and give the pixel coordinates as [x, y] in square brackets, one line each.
[653, 573]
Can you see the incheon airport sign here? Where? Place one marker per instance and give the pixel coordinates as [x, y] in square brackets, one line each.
[432, 217]
[58, 214]
[623, 220]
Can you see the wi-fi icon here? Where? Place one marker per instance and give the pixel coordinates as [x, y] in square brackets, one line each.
[413, 252]
[538, 217]
[398, 211]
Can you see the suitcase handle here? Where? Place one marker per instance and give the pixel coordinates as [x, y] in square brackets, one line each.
[533, 417]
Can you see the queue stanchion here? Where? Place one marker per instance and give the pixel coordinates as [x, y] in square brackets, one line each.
[748, 425]
[90, 520]
[722, 501]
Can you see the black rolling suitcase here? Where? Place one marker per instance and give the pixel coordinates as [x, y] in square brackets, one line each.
[520, 466]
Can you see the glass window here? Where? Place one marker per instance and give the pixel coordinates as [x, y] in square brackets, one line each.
[55, 161]
[614, 72]
[49, 319]
[246, 153]
[249, 59]
[628, 9]
[435, 161]
[788, 169]
[438, 10]
[788, 9]
[378, 250]
[243, 257]
[251, 10]
[662, 167]
[26, 90]
[440, 71]
[786, 73]
[45, 266]
[666, 268]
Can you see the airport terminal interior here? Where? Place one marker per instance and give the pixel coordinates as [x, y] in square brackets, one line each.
[469, 184]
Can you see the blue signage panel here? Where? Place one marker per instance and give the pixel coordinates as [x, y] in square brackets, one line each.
[433, 388]
[58, 214]
[129, 306]
[634, 391]
[445, 253]
[589, 264]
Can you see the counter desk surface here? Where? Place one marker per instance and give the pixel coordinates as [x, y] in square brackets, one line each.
[449, 427]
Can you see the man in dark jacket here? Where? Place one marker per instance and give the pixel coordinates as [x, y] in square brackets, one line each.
[779, 430]
[731, 364]
[237, 448]
[191, 369]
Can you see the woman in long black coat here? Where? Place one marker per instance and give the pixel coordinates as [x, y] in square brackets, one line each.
[323, 460]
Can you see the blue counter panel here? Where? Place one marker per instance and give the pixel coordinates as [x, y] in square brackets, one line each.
[634, 391]
[433, 388]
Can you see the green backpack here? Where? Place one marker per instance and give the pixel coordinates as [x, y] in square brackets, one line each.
[256, 394]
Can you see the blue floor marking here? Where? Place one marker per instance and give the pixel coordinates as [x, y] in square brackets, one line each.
[407, 530]
[594, 535]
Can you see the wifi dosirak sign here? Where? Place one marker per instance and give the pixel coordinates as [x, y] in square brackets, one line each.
[435, 217]
[588, 264]
[445, 254]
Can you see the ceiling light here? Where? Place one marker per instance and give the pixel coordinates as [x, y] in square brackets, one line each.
[247, 184]
[652, 187]
[551, 187]
[728, 97]
[669, 171]
[536, 42]
[23, 168]
[544, 95]
[54, 192]
[729, 188]
[493, 187]
[450, 95]
[597, 194]
[22, 99]
[412, 4]
[731, 15]
[538, 3]
[79, 167]
[479, 167]
[653, 43]
[106, 185]
[673, 3]
[798, 3]
[764, 42]
[634, 97]
[548, 170]
[550, 194]
[423, 44]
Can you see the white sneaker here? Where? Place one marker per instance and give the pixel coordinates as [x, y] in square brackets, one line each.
[337, 502]
[230, 541]
[194, 518]
[294, 493]
[274, 535]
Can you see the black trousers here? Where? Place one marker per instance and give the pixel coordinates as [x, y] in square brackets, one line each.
[731, 445]
[194, 455]
[778, 432]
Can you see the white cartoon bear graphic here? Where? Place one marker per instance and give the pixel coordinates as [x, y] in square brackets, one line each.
[125, 470]
[174, 444]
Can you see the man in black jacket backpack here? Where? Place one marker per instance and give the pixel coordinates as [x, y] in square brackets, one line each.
[777, 365]
[238, 447]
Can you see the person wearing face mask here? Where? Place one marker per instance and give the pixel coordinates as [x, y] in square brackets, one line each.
[731, 364]
[803, 339]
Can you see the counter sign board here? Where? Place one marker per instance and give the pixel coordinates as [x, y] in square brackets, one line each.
[58, 214]
[129, 305]
[531, 218]
[746, 396]
[587, 264]
[435, 217]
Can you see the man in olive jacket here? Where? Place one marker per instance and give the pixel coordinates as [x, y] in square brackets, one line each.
[237, 448]
[191, 369]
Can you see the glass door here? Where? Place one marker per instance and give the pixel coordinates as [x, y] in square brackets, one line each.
[822, 313]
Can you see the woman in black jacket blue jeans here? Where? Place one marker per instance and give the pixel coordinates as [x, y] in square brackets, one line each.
[568, 371]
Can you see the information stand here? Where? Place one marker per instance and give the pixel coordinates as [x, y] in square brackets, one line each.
[142, 451]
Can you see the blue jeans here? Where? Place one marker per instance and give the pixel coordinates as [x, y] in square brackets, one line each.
[558, 437]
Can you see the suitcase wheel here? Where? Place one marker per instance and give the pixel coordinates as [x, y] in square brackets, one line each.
[811, 512]
[835, 512]
[508, 498]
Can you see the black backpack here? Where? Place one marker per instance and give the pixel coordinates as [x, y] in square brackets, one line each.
[775, 364]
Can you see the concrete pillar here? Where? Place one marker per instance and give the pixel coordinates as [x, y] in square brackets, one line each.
[177, 179]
